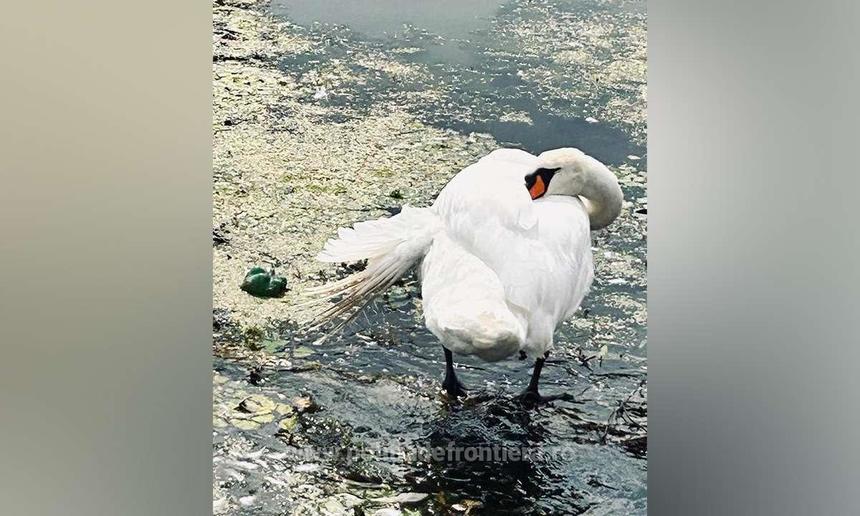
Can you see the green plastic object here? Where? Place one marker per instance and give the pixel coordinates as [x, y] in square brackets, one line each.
[262, 283]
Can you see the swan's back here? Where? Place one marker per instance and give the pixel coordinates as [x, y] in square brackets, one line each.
[508, 269]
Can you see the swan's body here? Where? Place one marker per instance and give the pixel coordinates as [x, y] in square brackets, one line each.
[506, 270]
[501, 264]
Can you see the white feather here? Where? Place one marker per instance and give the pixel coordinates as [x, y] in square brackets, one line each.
[499, 271]
[392, 247]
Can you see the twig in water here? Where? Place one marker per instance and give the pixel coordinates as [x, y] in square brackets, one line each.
[620, 410]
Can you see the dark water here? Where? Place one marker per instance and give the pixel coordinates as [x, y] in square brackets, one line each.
[378, 389]
[377, 385]
[451, 19]
[461, 43]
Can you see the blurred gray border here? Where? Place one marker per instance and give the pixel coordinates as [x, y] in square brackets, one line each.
[105, 317]
[105, 313]
[753, 257]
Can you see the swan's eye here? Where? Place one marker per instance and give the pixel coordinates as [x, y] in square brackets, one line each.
[538, 181]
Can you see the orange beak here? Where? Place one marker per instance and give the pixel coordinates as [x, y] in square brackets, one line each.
[538, 181]
[537, 189]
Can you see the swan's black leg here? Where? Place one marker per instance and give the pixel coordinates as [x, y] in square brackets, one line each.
[451, 384]
[531, 396]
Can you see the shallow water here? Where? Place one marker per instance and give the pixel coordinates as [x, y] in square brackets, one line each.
[491, 69]
[464, 46]
[452, 19]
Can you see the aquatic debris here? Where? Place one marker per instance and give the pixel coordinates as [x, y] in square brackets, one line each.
[301, 352]
[273, 346]
[288, 424]
[261, 283]
[245, 424]
[581, 61]
[305, 404]
[321, 93]
[340, 504]
[220, 505]
[404, 498]
[518, 117]
[467, 506]
[252, 412]
[256, 404]
[220, 234]
[388, 511]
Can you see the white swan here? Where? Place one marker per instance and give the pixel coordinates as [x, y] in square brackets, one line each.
[504, 253]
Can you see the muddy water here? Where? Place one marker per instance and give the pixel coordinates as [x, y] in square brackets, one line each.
[347, 426]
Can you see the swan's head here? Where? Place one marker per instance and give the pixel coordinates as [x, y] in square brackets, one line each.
[571, 172]
[562, 172]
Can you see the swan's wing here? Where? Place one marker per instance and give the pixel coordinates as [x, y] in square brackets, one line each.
[566, 266]
[487, 210]
[535, 247]
[492, 188]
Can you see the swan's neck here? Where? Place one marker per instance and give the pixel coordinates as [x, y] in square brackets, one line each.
[580, 174]
[601, 194]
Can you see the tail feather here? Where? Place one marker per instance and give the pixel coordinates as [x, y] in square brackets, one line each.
[392, 247]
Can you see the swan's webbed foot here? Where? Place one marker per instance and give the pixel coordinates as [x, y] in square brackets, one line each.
[453, 387]
[532, 398]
